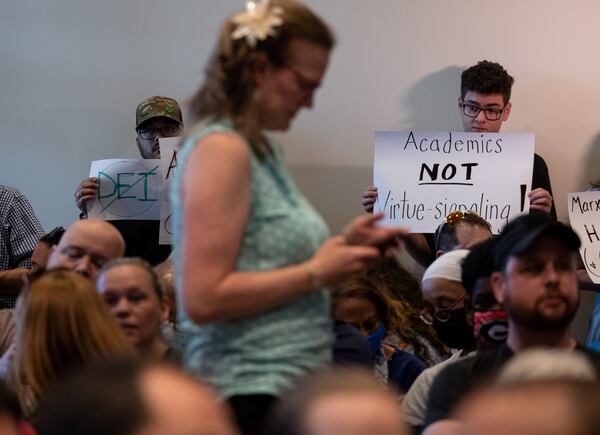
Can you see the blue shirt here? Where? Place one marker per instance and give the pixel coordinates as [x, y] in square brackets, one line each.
[266, 352]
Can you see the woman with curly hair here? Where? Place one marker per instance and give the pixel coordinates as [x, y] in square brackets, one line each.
[392, 326]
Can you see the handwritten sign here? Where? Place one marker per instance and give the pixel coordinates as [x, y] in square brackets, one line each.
[584, 216]
[424, 176]
[168, 162]
[130, 189]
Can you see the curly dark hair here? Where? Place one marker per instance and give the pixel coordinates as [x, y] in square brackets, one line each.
[395, 313]
[486, 78]
[399, 281]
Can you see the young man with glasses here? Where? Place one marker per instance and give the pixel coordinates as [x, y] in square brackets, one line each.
[155, 118]
[484, 104]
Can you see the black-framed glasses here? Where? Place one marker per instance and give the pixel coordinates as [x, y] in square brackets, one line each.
[452, 218]
[164, 131]
[304, 83]
[473, 111]
[441, 315]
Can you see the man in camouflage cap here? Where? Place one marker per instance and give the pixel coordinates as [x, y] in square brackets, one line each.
[155, 118]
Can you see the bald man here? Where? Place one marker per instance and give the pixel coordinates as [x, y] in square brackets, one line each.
[86, 246]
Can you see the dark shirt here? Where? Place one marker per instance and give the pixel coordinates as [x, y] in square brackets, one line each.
[541, 178]
[459, 378]
[141, 240]
[350, 347]
[403, 369]
[173, 356]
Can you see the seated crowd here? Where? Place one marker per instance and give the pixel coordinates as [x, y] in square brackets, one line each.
[90, 316]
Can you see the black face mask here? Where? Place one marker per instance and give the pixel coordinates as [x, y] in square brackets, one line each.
[455, 333]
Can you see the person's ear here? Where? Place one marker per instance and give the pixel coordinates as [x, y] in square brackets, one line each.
[439, 253]
[498, 286]
[469, 311]
[260, 68]
[165, 310]
[506, 112]
[51, 254]
[460, 101]
[137, 142]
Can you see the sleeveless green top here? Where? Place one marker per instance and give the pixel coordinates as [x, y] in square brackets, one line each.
[267, 352]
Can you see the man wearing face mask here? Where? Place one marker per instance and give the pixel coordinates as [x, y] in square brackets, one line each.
[482, 311]
[490, 321]
[444, 297]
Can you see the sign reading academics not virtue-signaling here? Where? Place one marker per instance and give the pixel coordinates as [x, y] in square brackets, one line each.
[424, 176]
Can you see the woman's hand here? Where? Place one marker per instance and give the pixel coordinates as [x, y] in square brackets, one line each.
[336, 260]
[364, 231]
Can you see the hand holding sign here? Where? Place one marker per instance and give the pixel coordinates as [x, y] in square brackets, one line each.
[86, 191]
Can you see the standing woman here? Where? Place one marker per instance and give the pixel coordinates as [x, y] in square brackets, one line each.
[252, 257]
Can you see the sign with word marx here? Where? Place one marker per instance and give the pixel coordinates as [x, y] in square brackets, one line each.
[424, 176]
[584, 216]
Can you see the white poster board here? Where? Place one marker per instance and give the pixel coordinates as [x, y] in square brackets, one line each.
[168, 162]
[584, 216]
[424, 176]
[130, 189]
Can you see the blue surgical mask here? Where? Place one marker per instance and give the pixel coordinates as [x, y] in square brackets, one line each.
[375, 339]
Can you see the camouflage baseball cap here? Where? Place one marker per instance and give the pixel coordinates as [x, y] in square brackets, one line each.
[155, 107]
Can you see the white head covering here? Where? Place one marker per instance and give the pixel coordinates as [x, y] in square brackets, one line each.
[448, 266]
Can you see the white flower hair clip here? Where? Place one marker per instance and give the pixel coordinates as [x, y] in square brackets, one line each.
[257, 22]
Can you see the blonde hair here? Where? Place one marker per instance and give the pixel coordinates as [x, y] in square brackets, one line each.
[62, 324]
[228, 87]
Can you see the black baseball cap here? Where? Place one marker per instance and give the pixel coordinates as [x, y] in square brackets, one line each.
[520, 233]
